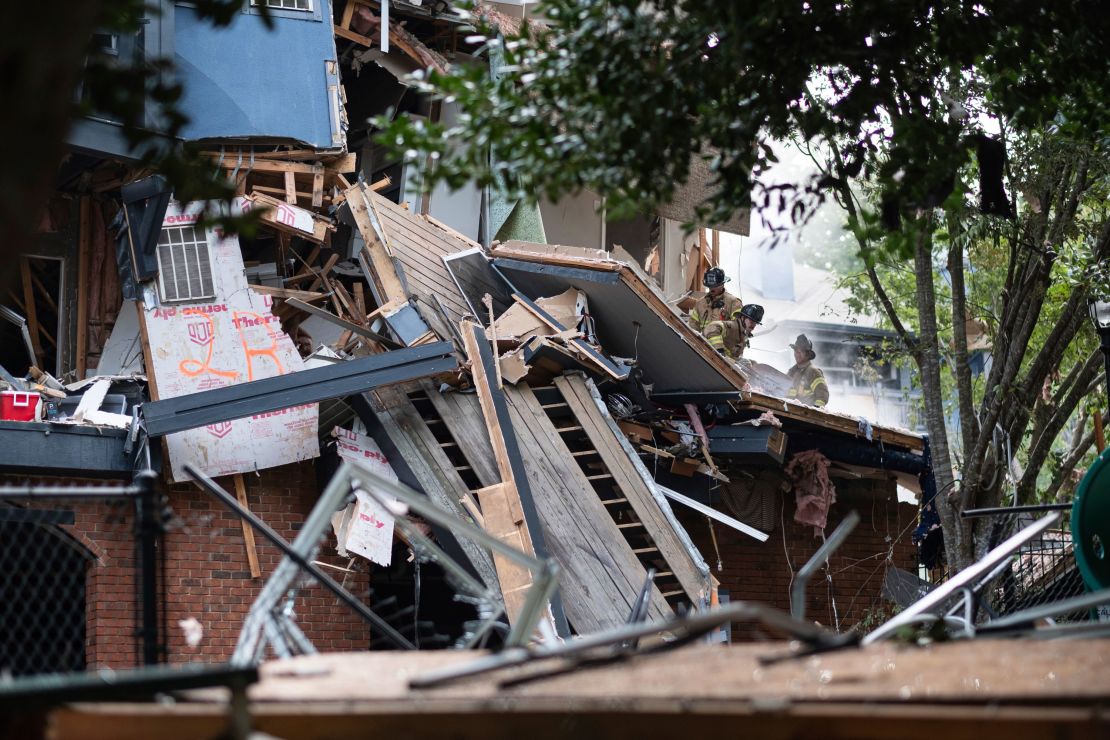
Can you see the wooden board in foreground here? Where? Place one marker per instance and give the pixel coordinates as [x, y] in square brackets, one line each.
[979, 690]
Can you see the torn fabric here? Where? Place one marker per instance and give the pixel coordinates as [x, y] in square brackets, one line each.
[813, 491]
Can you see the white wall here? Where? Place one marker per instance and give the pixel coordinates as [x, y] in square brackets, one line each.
[574, 221]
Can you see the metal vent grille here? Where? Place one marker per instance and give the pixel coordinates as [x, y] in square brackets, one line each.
[184, 264]
[305, 5]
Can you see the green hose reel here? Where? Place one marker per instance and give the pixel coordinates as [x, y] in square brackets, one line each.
[1090, 524]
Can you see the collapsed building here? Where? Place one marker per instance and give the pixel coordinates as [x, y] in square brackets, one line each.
[552, 396]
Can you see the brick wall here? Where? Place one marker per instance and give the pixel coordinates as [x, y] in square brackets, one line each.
[755, 571]
[207, 576]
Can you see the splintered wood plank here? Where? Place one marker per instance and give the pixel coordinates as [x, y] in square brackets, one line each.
[248, 530]
[433, 470]
[304, 295]
[321, 274]
[380, 264]
[360, 303]
[500, 520]
[621, 461]
[601, 575]
[494, 431]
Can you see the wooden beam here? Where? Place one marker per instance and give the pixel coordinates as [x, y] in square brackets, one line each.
[271, 167]
[317, 190]
[29, 308]
[304, 295]
[350, 35]
[84, 240]
[362, 331]
[248, 530]
[377, 258]
[148, 356]
[291, 188]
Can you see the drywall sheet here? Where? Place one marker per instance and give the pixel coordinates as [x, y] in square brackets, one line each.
[225, 340]
[627, 326]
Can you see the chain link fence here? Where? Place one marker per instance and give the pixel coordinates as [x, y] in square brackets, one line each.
[71, 588]
[1041, 572]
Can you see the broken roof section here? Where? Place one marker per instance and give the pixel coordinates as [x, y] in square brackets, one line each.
[632, 318]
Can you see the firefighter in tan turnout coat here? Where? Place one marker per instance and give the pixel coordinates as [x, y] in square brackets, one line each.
[716, 305]
[808, 384]
[730, 337]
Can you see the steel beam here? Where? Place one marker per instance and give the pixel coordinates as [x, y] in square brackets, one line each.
[295, 389]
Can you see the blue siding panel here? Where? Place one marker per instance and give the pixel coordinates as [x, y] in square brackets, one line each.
[247, 81]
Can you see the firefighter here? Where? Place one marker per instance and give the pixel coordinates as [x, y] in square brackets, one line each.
[730, 337]
[716, 305]
[808, 384]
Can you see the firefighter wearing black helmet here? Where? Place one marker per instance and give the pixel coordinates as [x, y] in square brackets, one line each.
[730, 337]
[716, 305]
[808, 383]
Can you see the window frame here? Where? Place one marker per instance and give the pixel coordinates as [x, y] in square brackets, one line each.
[210, 295]
[314, 12]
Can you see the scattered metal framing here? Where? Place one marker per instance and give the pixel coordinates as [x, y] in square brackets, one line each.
[681, 629]
[824, 552]
[294, 389]
[264, 622]
[544, 572]
[1020, 622]
[963, 581]
[1003, 510]
[713, 514]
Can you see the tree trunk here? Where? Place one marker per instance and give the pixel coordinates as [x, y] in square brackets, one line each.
[957, 544]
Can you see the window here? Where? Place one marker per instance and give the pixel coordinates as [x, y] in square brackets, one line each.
[305, 5]
[184, 265]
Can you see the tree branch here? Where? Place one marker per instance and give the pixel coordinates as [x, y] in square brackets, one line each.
[962, 370]
[1042, 444]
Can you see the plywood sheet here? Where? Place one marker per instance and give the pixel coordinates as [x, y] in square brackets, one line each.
[229, 339]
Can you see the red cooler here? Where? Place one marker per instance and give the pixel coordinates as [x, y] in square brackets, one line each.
[18, 406]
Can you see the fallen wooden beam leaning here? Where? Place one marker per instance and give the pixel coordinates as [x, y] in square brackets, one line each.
[511, 514]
